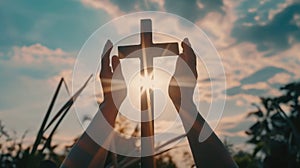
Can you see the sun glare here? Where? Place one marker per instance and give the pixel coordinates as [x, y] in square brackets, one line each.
[146, 82]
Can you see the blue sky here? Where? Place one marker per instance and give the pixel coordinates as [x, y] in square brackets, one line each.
[258, 41]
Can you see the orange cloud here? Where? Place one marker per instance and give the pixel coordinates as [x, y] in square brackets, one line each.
[39, 54]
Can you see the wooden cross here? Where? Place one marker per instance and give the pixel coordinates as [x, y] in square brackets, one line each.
[146, 52]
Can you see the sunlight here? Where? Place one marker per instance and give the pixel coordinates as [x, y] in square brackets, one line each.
[147, 82]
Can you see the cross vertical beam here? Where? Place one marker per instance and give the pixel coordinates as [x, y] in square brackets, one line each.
[146, 52]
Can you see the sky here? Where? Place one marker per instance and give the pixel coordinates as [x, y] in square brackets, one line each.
[258, 42]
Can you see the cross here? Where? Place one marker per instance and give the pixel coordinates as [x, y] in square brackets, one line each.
[146, 51]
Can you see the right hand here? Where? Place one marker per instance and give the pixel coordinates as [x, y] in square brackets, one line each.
[183, 82]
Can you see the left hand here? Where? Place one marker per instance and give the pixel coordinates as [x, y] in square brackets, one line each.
[113, 83]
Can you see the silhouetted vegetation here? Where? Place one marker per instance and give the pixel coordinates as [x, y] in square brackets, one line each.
[276, 133]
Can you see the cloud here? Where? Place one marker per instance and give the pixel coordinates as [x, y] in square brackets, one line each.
[192, 10]
[245, 69]
[280, 78]
[117, 8]
[106, 5]
[258, 85]
[55, 24]
[233, 130]
[262, 75]
[39, 54]
[36, 61]
[239, 90]
[66, 74]
[259, 77]
[250, 74]
[276, 34]
[218, 25]
[29, 71]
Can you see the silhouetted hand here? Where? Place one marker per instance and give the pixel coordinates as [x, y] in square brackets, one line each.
[113, 84]
[185, 76]
[210, 152]
[87, 152]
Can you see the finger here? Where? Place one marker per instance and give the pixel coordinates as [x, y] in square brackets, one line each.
[105, 57]
[188, 51]
[189, 55]
[185, 43]
[115, 62]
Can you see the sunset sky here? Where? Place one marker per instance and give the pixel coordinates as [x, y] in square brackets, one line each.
[258, 41]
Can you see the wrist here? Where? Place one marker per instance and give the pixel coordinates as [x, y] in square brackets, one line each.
[109, 111]
[187, 95]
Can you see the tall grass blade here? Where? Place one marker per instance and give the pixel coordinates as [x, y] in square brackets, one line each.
[67, 88]
[41, 130]
[67, 104]
[64, 110]
[49, 139]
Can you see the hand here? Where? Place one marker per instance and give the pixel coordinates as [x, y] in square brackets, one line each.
[184, 80]
[86, 152]
[181, 89]
[113, 84]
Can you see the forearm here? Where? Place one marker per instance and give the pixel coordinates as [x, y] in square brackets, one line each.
[81, 153]
[86, 152]
[209, 153]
